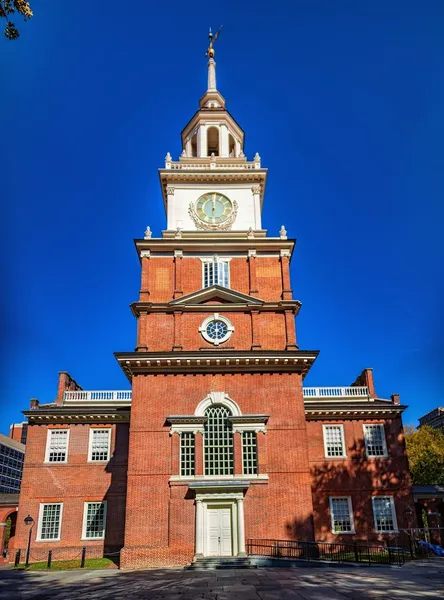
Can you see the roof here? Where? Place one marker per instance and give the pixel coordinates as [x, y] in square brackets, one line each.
[428, 490]
[9, 498]
[10, 443]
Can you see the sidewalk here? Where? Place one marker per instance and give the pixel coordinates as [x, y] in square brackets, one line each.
[420, 580]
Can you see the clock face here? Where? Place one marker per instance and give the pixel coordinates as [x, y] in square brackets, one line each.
[214, 208]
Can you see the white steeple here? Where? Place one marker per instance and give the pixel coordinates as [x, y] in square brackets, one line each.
[213, 173]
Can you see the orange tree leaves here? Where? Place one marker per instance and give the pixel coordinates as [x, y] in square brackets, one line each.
[11, 7]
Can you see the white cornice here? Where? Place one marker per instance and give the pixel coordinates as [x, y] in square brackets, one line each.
[210, 361]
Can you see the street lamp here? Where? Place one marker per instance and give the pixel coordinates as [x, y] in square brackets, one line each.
[408, 513]
[29, 522]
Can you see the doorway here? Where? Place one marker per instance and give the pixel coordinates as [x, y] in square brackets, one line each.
[219, 531]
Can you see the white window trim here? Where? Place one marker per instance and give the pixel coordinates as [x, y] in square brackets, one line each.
[384, 442]
[90, 440]
[395, 520]
[243, 454]
[48, 439]
[180, 453]
[212, 259]
[350, 512]
[344, 451]
[216, 317]
[85, 512]
[39, 528]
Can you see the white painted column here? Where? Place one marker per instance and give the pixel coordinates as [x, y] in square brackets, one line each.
[202, 141]
[199, 528]
[170, 207]
[223, 140]
[240, 527]
[256, 190]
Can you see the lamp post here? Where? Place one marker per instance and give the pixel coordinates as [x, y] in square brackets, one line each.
[408, 513]
[29, 522]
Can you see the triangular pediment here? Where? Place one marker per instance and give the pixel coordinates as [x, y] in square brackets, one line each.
[218, 295]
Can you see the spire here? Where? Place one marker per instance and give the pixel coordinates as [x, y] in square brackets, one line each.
[212, 98]
[211, 62]
[211, 75]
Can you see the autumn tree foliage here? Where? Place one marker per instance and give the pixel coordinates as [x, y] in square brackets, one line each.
[8, 8]
[425, 450]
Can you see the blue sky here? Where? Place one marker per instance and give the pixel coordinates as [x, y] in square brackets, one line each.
[343, 101]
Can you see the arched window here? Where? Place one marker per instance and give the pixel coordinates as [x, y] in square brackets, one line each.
[218, 441]
[231, 146]
[194, 145]
[213, 141]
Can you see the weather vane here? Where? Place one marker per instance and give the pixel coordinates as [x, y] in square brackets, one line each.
[210, 51]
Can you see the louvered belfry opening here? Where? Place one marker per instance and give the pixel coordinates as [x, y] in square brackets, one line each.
[218, 442]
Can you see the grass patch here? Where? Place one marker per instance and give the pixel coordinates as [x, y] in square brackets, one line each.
[69, 565]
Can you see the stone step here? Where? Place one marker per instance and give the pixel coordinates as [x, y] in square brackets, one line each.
[225, 562]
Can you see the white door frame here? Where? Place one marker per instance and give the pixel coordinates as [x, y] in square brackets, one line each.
[235, 501]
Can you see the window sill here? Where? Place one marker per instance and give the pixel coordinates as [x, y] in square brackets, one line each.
[97, 539]
[391, 532]
[55, 462]
[344, 532]
[48, 540]
[336, 457]
[184, 478]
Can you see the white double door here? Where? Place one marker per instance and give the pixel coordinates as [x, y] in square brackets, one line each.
[219, 532]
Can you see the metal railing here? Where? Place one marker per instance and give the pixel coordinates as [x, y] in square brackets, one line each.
[358, 391]
[46, 557]
[335, 552]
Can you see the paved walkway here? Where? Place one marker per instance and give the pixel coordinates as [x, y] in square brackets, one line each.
[413, 581]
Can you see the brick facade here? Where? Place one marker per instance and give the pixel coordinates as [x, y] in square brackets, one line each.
[256, 373]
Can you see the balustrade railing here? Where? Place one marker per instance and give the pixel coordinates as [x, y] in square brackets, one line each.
[98, 396]
[175, 166]
[357, 391]
[310, 393]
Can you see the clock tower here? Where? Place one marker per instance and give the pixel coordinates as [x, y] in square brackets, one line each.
[218, 448]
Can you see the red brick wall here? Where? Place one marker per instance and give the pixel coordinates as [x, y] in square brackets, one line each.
[160, 517]
[358, 476]
[73, 484]
[160, 277]
[15, 432]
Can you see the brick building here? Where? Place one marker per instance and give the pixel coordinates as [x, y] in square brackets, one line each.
[217, 441]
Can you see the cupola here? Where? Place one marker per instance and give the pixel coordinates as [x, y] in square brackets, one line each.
[212, 131]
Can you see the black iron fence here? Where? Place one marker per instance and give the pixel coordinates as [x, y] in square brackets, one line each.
[23, 557]
[336, 551]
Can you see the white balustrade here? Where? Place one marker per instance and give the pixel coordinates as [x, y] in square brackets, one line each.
[98, 396]
[358, 391]
[177, 166]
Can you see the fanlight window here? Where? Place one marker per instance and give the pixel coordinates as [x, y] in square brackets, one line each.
[218, 441]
